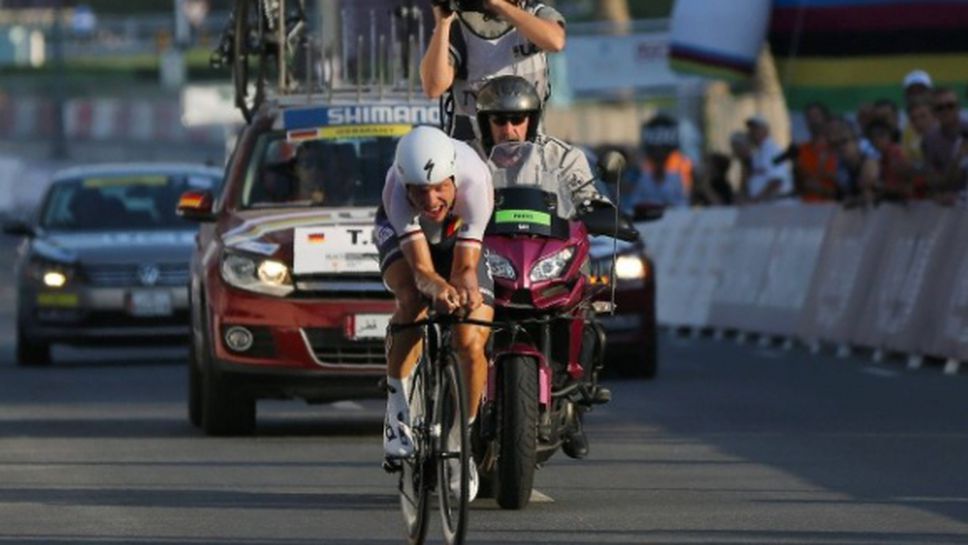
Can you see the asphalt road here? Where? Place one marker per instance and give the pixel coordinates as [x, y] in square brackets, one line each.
[732, 444]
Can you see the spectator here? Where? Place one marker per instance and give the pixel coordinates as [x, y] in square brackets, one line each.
[469, 47]
[946, 148]
[921, 121]
[895, 172]
[769, 180]
[917, 86]
[815, 166]
[885, 110]
[712, 188]
[858, 169]
[665, 177]
[739, 144]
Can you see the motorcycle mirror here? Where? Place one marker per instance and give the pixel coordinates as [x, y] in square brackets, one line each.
[611, 164]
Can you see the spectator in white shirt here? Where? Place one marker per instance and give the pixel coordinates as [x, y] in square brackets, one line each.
[768, 180]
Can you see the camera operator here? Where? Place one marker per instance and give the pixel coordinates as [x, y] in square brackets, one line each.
[475, 40]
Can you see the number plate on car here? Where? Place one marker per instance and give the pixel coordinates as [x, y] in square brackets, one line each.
[367, 326]
[145, 303]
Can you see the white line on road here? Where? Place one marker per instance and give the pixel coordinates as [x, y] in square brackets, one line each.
[538, 497]
[877, 372]
[347, 406]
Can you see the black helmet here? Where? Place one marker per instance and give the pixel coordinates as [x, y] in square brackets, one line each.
[507, 94]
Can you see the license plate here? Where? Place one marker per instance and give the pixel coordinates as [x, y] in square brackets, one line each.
[149, 303]
[367, 326]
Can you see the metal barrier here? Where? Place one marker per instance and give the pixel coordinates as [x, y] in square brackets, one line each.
[892, 279]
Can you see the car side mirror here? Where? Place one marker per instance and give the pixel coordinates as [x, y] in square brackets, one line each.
[18, 228]
[648, 213]
[196, 206]
[610, 165]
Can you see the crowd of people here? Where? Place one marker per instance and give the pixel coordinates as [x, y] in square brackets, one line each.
[876, 155]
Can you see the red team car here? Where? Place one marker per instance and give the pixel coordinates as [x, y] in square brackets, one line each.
[286, 295]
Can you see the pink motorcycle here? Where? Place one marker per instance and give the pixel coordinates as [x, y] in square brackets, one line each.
[548, 346]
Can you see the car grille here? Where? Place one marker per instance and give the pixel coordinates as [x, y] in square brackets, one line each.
[169, 274]
[341, 287]
[330, 346]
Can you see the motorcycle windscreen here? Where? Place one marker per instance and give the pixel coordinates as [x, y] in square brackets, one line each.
[527, 211]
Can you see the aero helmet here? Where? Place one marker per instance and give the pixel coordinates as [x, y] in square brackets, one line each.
[425, 156]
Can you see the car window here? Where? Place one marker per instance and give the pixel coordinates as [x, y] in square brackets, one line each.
[325, 173]
[123, 202]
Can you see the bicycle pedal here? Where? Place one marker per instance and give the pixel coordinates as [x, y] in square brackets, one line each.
[391, 465]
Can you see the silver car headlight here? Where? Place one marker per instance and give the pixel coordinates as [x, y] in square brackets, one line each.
[629, 267]
[500, 267]
[266, 276]
[551, 267]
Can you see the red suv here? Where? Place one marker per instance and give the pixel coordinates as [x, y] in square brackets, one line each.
[286, 295]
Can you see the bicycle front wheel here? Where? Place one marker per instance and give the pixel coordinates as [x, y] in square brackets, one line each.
[453, 451]
[417, 471]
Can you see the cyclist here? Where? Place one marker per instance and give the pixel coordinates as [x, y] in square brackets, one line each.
[508, 110]
[497, 37]
[437, 200]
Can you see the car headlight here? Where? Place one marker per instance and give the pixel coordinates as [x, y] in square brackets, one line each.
[50, 274]
[629, 267]
[551, 267]
[500, 267]
[266, 276]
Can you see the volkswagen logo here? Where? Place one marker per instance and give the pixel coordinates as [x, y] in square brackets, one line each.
[148, 275]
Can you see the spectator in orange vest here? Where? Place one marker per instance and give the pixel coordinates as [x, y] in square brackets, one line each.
[815, 165]
[666, 173]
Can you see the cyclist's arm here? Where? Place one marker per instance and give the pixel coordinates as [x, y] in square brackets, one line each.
[475, 203]
[437, 66]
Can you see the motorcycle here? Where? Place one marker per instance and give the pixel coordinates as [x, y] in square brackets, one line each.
[545, 358]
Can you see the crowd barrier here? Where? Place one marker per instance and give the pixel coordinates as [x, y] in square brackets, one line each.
[893, 278]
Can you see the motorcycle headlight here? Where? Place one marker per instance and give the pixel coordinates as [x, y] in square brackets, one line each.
[551, 267]
[266, 276]
[629, 267]
[500, 267]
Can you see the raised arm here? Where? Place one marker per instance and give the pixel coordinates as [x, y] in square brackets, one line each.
[437, 66]
[546, 34]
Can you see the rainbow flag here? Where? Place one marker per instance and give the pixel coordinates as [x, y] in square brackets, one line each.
[844, 52]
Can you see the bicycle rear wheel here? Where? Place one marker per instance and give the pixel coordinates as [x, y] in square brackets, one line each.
[453, 451]
[417, 472]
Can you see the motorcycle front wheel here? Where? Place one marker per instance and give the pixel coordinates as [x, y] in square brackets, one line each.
[517, 432]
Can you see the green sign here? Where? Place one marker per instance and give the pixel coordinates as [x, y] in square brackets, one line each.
[522, 216]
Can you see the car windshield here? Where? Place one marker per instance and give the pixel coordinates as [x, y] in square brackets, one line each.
[121, 202]
[327, 173]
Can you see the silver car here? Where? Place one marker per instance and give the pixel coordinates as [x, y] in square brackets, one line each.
[105, 260]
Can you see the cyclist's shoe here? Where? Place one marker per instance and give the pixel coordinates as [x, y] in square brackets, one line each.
[472, 478]
[575, 444]
[397, 439]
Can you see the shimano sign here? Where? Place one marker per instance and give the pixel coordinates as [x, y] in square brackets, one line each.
[323, 116]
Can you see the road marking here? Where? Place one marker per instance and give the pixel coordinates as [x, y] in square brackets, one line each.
[538, 497]
[883, 373]
[347, 406]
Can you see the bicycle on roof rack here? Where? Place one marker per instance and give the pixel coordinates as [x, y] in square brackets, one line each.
[272, 50]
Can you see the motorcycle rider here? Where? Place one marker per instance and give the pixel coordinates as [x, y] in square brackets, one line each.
[509, 110]
[475, 43]
[437, 201]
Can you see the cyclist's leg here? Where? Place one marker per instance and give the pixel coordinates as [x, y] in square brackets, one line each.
[470, 341]
[402, 348]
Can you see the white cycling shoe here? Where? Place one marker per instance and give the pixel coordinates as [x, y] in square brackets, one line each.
[397, 439]
[472, 480]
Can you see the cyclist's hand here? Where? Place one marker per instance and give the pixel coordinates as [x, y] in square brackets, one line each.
[468, 290]
[446, 298]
